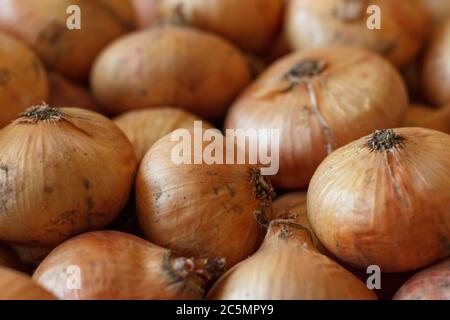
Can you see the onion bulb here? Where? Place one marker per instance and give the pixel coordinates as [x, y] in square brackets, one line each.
[251, 24]
[15, 285]
[44, 26]
[289, 267]
[62, 172]
[115, 265]
[23, 80]
[336, 95]
[173, 66]
[398, 35]
[9, 259]
[433, 283]
[427, 117]
[201, 210]
[383, 200]
[144, 127]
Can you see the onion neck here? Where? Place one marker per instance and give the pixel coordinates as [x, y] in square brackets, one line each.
[385, 140]
[287, 232]
[304, 71]
[41, 113]
[263, 191]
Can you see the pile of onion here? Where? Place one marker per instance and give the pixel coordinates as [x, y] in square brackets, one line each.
[15, 285]
[427, 117]
[289, 267]
[62, 172]
[201, 210]
[251, 24]
[403, 26]
[43, 25]
[144, 127]
[114, 265]
[435, 73]
[23, 80]
[383, 200]
[173, 66]
[433, 283]
[319, 100]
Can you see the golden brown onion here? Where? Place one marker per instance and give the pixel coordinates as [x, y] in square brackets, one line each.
[23, 80]
[383, 200]
[62, 172]
[115, 265]
[319, 100]
[427, 117]
[403, 26]
[19, 286]
[179, 67]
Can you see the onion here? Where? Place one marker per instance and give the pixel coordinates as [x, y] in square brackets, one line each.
[427, 117]
[337, 95]
[179, 67]
[15, 285]
[122, 11]
[435, 73]
[201, 210]
[43, 25]
[23, 80]
[289, 267]
[64, 93]
[62, 172]
[432, 283]
[144, 127]
[9, 259]
[116, 265]
[439, 9]
[383, 200]
[251, 24]
[403, 27]
[146, 12]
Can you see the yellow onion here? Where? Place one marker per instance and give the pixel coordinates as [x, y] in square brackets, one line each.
[65, 93]
[439, 9]
[427, 117]
[23, 80]
[173, 66]
[289, 267]
[43, 25]
[121, 10]
[319, 100]
[433, 283]
[9, 259]
[115, 265]
[15, 285]
[62, 172]
[201, 210]
[146, 12]
[251, 24]
[435, 73]
[383, 200]
[403, 26]
[144, 127]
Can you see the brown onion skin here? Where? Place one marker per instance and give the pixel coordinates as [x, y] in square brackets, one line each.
[432, 283]
[435, 74]
[23, 79]
[387, 208]
[9, 259]
[288, 267]
[60, 176]
[116, 265]
[15, 285]
[201, 210]
[42, 25]
[404, 26]
[162, 66]
[428, 117]
[146, 126]
[251, 24]
[356, 93]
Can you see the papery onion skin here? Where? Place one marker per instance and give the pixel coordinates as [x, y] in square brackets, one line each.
[351, 93]
[19, 286]
[288, 267]
[43, 25]
[9, 259]
[251, 24]
[388, 207]
[146, 126]
[179, 67]
[116, 265]
[428, 117]
[201, 210]
[62, 172]
[23, 80]
[432, 283]
[403, 29]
